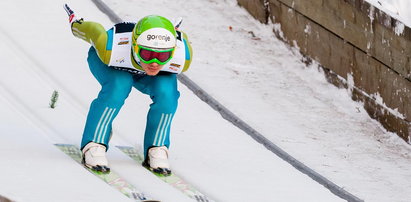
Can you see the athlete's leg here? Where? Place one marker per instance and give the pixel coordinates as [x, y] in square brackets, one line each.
[116, 86]
[163, 91]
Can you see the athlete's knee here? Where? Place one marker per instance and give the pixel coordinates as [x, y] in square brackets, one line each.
[167, 98]
[116, 91]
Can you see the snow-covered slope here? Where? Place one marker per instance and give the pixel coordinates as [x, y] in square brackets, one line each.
[262, 81]
[399, 9]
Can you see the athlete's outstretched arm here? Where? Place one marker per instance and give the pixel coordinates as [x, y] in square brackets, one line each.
[91, 32]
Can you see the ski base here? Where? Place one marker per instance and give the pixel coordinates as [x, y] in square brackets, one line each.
[111, 178]
[171, 179]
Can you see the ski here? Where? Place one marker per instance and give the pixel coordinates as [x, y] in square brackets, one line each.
[172, 179]
[111, 178]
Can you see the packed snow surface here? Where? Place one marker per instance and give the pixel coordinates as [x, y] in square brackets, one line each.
[259, 78]
[399, 9]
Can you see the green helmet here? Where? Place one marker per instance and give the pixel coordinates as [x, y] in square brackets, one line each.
[154, 32]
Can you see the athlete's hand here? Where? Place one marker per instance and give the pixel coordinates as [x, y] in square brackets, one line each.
[177, 22]
[72, 16]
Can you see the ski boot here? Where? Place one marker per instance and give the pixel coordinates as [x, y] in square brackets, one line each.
[94, 157]
[157, 161]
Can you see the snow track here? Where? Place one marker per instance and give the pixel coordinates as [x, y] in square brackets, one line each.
[228, 115]
[25, 90]
[207, 151]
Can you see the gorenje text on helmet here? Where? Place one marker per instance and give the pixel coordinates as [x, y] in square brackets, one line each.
[158, 37]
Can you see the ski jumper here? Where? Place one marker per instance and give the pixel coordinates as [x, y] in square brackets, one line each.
[111, 62]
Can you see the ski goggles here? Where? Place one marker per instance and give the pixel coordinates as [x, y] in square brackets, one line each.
[148, 55]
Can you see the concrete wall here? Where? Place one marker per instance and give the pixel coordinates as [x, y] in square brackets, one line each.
[355, 41]
[4, 199]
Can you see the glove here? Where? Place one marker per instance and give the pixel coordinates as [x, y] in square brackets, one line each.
[177, 22]
[72, 16]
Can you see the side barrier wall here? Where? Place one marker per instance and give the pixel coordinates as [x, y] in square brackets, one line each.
[359, 47]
